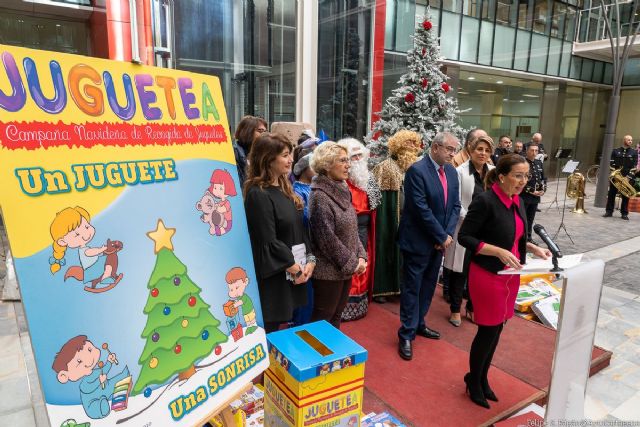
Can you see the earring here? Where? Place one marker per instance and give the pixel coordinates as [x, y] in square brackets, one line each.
[502, 181]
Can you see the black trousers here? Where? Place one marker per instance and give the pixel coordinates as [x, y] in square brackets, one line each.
[611, 199]
[530, 206]
[329, 300]
[458, 288]
[481, 353]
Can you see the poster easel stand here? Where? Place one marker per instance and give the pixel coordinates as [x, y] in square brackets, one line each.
[224, 410]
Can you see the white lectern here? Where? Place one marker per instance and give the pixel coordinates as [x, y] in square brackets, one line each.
[582, 287]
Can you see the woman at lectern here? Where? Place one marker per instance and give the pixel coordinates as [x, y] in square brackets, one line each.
[494, 249]
[280, 243]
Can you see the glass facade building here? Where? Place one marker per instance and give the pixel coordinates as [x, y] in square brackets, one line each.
[510, 63]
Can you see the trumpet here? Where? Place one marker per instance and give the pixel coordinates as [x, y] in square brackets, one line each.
[622, 183]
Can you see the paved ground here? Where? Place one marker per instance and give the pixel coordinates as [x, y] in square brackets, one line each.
[613, 394]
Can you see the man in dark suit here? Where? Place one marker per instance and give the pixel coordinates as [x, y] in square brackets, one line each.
[429, 217]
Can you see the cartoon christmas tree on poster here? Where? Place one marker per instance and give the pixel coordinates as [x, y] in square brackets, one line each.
[180, 329]
[421, 102]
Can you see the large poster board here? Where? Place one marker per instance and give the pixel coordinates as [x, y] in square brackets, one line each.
[125, 218]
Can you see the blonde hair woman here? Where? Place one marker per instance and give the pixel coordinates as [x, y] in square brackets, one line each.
[334, 232]
[471, 176]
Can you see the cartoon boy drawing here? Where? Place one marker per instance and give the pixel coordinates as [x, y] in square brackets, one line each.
[222, 187]
[79, 360]
[238, 281]
[71, 228]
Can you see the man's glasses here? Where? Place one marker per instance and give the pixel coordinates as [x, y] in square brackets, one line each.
[450, 150]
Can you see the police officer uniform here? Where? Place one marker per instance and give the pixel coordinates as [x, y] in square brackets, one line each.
[497, 153]
[627, 159]
[537, 182]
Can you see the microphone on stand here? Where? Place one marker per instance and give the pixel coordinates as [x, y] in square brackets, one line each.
[553, 247]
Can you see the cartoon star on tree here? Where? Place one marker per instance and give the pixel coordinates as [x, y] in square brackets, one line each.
[180, 329]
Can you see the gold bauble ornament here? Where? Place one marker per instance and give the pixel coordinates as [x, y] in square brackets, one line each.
[153, 362]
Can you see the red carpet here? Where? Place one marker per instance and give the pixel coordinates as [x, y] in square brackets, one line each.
[429, 390]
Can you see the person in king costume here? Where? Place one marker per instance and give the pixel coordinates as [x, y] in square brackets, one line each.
[365, 197]
[404, 147]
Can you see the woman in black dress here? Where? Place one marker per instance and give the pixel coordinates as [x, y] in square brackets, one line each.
[274, 218]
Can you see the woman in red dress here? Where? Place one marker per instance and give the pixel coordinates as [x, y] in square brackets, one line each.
[494, 230]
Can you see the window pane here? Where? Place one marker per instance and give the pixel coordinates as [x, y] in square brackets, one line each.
[587, 69]
[469, 42]
[344, 42]
[608, 73]
[554, 57]
[540, 16]
[522, 50]
[405, 24]
[503, 46]
[576, 66]
[449, 41]
[565, 59]
[539, 44]
[486, 42]
[570, 23]
[598, 69]
[524, 20]
[557, 19]
[504, 13]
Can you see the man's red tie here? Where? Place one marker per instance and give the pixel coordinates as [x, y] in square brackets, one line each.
[443, 181]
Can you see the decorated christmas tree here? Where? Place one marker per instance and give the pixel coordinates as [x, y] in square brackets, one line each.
[180, 329]
[421, 102]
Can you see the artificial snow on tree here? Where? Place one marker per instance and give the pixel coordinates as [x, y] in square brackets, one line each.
[180, 329]
[420, 103]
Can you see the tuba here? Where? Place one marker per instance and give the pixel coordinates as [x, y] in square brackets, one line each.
[575, 190]
[622, 184]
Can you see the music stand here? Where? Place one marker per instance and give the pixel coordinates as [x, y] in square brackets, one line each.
[569, 168]
[562, 153]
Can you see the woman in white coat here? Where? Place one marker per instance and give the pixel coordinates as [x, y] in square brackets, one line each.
[471, 177]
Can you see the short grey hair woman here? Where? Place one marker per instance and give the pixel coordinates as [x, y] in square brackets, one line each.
[334, 233]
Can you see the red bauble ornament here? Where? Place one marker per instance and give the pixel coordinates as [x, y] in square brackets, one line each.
[410, 97]
[177, 349]
[445, 87]
[191, 301]
[155, 292]
[427, 25]
[425, 82]
[218, 350]
[424, 51]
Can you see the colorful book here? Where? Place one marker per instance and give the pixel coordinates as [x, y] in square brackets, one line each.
[121, 392]
[534, 291]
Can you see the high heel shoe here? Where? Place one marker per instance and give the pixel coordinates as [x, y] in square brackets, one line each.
[469, 315]
[455, 320]
[476, 396]
[488, 393]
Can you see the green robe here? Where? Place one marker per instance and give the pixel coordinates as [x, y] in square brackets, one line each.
[386, 279]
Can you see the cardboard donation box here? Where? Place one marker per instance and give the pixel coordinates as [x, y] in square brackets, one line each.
[315, 377]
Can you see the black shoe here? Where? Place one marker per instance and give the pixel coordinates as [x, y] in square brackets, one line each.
[380, 300]
[488, 393]
[428, 333]
[625, 217]
[607, 215]
[405, 350]
[538, 210]
[475, 393]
